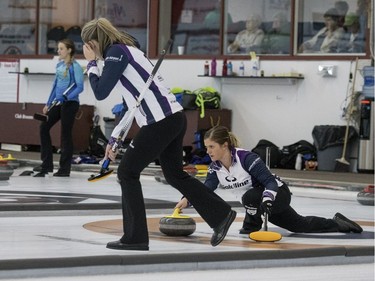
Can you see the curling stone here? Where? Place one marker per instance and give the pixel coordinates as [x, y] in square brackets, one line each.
[5, 171]
[12, 162]
[199, 172]
[366, 196]
[177, 225]
[202, 171]
[191, 170]
[158, 175]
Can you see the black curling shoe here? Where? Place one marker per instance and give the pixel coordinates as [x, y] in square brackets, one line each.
[61, 174]
[346, 225]
[40, 169]
[40, 174]
[118, 245]
[221, 231]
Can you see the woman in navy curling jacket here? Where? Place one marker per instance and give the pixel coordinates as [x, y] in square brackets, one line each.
[244, 174]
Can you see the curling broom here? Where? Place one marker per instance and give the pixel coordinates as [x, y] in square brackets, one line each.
[265, 235]
[343, 165]
[44, 117]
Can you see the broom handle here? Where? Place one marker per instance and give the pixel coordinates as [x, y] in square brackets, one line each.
[131, 115]
[265, 223]
[349, 109]
[345, 140]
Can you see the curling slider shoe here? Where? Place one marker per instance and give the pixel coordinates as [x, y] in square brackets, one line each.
[104, 172]
[265, 235]
[26, 173]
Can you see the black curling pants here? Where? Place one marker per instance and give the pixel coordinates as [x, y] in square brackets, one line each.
[162, 140]
[66, 113]
[282, 215]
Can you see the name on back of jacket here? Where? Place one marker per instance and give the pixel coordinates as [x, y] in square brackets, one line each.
[115, 59]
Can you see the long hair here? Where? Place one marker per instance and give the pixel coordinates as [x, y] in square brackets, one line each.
[220, 135]
[105, 34]
[69, 44]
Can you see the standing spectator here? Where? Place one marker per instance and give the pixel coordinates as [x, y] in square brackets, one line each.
[62, 104]
[363, 11]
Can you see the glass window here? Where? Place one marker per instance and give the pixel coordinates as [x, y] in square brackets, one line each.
[60, 19]
[127, 15]
[330, 26]
[194, 25]
[261, 26]
[199, 28]
[17, 27]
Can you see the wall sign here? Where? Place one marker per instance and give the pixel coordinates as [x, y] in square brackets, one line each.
[8, 81]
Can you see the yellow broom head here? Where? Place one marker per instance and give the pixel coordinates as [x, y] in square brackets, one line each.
[265, 236]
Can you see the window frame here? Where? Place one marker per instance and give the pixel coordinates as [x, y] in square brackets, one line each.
[154, 47]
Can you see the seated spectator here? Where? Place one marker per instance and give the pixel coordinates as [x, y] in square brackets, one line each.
[277, 39]
[353, 41]
[328, 38]
[342, 7]
[249, 39]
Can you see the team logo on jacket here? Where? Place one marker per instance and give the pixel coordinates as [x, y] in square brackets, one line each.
[230, 179]
[236, 184]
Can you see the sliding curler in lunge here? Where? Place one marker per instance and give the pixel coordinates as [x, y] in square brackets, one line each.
[262, 194]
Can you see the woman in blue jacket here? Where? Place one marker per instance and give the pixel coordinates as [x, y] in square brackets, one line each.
[62, 104]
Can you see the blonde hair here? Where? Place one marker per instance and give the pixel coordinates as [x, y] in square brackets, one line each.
[220, 135]
[69, 44]
[105, 33]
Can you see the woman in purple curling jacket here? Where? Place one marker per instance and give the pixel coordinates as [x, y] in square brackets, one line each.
[243, 173]
[162, 128]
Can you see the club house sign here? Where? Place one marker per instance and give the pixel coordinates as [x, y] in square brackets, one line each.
[23, 116]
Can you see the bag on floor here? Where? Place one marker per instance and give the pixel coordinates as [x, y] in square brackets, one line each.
[290, 153]
[98, 141]
[275, 152]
